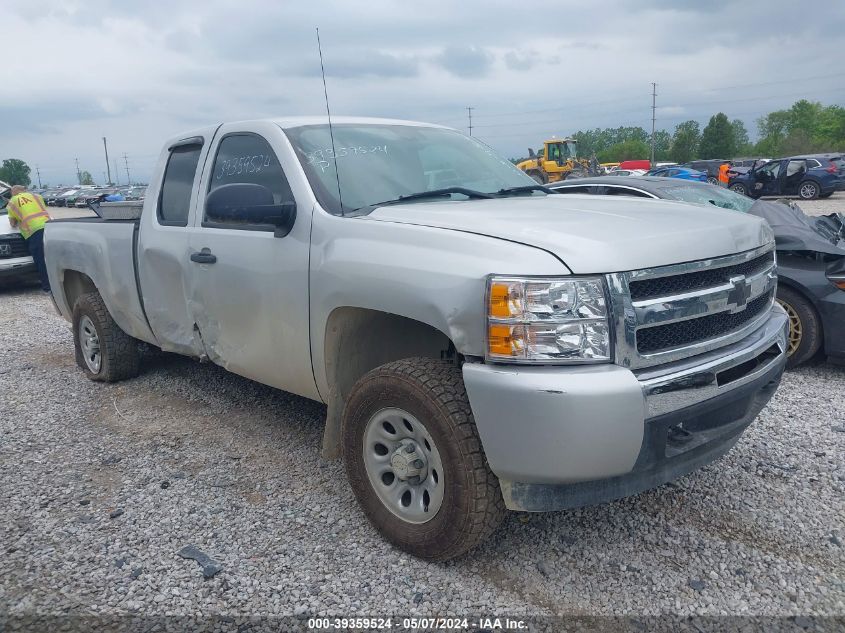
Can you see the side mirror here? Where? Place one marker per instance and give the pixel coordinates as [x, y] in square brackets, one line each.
[249, 204]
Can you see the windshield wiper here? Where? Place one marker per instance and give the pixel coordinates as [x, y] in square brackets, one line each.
[434, 193]
[511, 190]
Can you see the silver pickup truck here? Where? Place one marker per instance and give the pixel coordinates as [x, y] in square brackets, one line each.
[480, 345]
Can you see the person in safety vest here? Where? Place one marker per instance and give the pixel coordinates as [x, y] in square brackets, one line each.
[28, 214]
[723, 174]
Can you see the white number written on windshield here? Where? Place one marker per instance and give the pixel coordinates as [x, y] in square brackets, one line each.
[322, 157]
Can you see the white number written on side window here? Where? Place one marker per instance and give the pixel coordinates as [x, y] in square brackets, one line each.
[242, 165]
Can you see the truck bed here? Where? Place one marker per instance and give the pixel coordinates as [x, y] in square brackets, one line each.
[104, 251]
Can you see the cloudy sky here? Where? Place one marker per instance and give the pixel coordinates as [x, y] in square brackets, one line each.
[138, 72]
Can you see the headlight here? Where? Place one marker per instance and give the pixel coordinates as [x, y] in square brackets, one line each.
[547, 320]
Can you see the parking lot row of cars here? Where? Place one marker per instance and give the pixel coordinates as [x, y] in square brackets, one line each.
[81, 196]
[808, 176]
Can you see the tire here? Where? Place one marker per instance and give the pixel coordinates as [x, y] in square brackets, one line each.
[805, 331]
[739, 188]
[538, 176]
[431, 394]
[809, 190]
[822, 196]
[713, 180]
[103, 351]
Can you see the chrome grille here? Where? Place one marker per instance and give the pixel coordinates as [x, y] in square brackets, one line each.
[674, 312]
[654, 339]
[666, 286]
[13, 246]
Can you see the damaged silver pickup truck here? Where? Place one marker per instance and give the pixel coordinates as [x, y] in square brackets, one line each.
[480, 345]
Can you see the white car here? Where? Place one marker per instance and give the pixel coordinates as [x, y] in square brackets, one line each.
[15, 260]
[626, 172]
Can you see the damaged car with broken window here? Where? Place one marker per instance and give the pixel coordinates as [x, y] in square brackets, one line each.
[810, 250]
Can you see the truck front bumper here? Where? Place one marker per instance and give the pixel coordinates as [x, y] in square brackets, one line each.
[564, 437]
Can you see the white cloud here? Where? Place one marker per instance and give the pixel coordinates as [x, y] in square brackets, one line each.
[140, 72]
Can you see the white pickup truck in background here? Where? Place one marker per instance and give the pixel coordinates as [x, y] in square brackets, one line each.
[480, 344]
[15, 261]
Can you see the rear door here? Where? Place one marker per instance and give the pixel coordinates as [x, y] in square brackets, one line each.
[792, 176]
[251, 288]
[163, 244]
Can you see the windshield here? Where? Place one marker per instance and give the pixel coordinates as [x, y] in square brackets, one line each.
[378, 163]
[708, 194]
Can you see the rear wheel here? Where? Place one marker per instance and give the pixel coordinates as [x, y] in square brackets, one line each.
[805, 333]
[103, 351]
[809, 190]
[712, 180]
[414, 459]
[738, 188]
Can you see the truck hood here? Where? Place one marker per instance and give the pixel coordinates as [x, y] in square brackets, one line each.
[595, 234]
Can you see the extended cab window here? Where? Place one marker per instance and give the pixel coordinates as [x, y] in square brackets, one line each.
[175, 200]
[248, 158]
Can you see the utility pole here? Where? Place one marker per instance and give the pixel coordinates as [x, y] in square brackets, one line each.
[116, 172]
[108, 169]
[126, 162]
[78, 173]
[653, 118]
[38, 171]
[469, 113]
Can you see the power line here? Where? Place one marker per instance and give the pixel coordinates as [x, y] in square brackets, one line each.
[469, 113]
[37, 171]
[78, 173]
[126, 162]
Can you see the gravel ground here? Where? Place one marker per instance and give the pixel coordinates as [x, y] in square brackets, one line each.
[103, 485]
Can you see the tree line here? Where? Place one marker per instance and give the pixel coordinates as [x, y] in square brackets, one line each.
[806, 127]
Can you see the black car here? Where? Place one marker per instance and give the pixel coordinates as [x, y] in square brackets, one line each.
[806, 177]
[810, 251]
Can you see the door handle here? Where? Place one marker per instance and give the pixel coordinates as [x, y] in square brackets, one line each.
[204, 257]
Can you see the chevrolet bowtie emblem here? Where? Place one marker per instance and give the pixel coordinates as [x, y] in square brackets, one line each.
[740, 293]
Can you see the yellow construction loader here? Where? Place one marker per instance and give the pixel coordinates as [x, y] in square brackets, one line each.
[557, 160]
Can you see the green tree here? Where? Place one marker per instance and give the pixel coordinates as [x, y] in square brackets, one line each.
[631, 149]
[717, 140]
[685, 141]
[742, 144]
[85, 178]
[662, 145]
[15, 172]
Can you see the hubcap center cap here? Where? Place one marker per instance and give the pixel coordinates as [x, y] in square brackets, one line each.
[408, 462]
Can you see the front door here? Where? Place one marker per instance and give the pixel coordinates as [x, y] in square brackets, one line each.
[251, 305]
[767, 180]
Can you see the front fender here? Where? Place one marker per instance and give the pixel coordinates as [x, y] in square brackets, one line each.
[434, 276]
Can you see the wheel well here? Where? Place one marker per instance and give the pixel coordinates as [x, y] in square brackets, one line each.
[359, 340]
[75, 284]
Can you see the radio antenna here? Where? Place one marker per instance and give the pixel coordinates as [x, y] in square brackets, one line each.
[331, 131]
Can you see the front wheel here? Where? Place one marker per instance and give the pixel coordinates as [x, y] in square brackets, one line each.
[805, 331]
[712, 180]
[414, 459]
[809, 190]
[538, 177]
[739, 188]
[103, 351]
